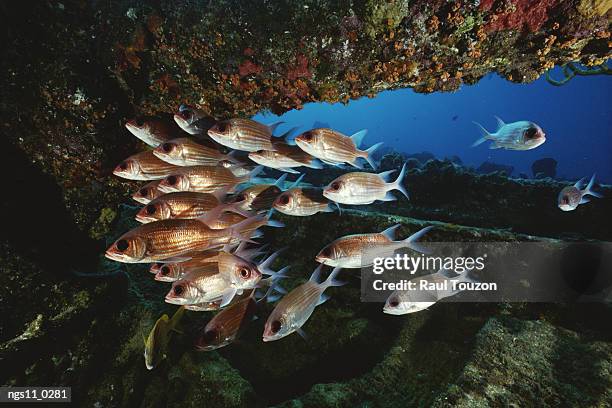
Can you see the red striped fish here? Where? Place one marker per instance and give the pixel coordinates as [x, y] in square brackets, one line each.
[144, 166]
[203, 179]
[243, 134]
[187, 152]
[148, 192]
[302, 202]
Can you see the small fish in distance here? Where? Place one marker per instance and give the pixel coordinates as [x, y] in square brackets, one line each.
[360, 188]
[334, 148]
[572, 196]
[156, 343]
[522, 135]
[359, 250]
[294, 309]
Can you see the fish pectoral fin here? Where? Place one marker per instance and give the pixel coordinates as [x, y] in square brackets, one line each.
[228, 295]
[302, 334]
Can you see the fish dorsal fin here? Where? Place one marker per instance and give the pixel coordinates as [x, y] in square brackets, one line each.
[358, 137]
[316, 274]
[500, 123]
[390, 232]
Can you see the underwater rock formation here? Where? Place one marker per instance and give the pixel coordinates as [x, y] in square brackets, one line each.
[92, 65]
[546, 167]
[489, 167]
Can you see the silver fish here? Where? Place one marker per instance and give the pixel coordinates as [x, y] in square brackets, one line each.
[522, 135]
[572, 196]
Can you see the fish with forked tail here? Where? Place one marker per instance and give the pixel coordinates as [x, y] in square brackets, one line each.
[294, 309]
[572, 196]
[156, 343]
[350, 251]
[359, 188]
[522, 135]
[334, 148]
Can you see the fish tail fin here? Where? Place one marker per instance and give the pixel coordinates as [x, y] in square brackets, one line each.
[297, 182]
[411, 243]
[273, 223]
[316, 274]
[279, 181]
[274, 125]
[264, 266]
[221, 193]
[331, 279]
[286, 136]
[236, 208]
[398, 184]
[589, 188]
[213, 214]
[231, 156]
[368, 155]
[176, 318]
[358, 137]
[238, 230]
[251, 177]
[485, 135]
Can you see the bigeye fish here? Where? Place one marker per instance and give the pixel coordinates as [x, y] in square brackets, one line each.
[284, 158]
[245, 134]
[261, 196]
[522, 135]
[350, 251]
[222, 281]
[225, 326]
[172, 271]
[294, 309]
[334, 148]
[156, 343]
[193, 121]
[167, 239]
[186, 205]
[203, 179]
[302, 202]
[237, 169]
[147, 193]
[402, 302]
[187, 152]
[152, 131]
[360, 188]
[144, 166]
[572, 196]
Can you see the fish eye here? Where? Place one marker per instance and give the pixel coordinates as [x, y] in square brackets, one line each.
[122, 245]
[139, 122]
[150, 209]
[186, 114]
[284, 199]
[275, 326]
[245, 273]
[222, 127]
[240, 197]
[167, 147]
[335, 186]
[143, 192]
[394, 302]
[307, 136]
[171, 180]
[123, 165]
[165, 270]
[326, 251]
[178, 290]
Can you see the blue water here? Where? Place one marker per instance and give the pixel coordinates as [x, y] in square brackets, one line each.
[576, 118]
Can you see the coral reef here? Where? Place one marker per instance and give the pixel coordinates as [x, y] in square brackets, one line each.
[92, 65]
[489, 167]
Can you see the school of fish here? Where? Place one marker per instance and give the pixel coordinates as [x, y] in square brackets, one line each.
[199, 219]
